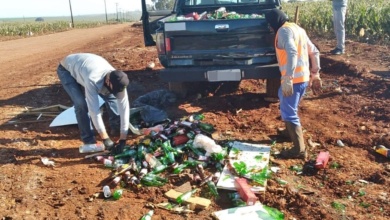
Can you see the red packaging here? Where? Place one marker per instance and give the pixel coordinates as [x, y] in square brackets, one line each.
[322, 160]
[180, 139]
[245, 191]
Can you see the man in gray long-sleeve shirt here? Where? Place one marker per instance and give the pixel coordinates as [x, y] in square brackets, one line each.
[98, 78]
[295, 52]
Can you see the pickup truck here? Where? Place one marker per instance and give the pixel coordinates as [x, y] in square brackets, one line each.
[212, 41]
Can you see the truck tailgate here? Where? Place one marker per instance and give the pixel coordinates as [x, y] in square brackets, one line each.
[220, 41]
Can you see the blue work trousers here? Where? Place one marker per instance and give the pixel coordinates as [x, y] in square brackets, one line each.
[77, 95]
[289, 105]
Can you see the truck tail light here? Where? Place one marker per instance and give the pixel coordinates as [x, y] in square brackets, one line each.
[167, 44]
[160, 44]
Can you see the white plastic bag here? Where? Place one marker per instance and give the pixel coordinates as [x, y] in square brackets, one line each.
[208, 144]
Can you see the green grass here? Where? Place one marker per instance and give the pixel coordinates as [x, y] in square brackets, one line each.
[14, 27]
[372, 16]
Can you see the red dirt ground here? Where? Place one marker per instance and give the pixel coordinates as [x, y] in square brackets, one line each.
[354, 108]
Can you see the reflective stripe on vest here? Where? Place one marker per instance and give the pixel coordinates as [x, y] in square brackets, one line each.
[301, 72]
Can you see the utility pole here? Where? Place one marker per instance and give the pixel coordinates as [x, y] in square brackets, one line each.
[71, 13]
[117, 18]
[105, 9]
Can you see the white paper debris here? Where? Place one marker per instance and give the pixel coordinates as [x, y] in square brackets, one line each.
[47, 162]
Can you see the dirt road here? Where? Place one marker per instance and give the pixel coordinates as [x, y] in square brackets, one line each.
[354, 108]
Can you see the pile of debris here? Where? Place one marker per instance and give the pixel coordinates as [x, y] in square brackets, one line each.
[183, 151]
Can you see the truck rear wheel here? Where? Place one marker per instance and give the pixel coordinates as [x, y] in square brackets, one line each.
[272, 87]
[179, 88]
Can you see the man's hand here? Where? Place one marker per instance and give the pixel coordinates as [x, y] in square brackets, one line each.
[108, 143]
[315, 83]
[119, 147]
[287, 86]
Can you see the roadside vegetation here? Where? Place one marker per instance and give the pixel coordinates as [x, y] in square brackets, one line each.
[21, 27]
[366, 21]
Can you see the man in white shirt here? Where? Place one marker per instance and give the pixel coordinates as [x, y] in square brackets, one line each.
[85, 77]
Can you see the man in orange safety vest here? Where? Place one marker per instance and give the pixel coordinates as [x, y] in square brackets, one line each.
[294, 50]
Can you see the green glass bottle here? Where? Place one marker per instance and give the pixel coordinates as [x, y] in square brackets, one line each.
[150, 180]
[185, 165]
[185, 196]
[140, 150]
[148, 216]
[127, 153]
[159, 169]
[193, 149]
[212, 188]
[206, 127]
[117, 194]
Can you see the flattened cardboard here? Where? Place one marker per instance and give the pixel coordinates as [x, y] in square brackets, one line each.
[199, 202]
[248, 154]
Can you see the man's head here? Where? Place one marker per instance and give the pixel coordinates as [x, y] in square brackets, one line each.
[116, 82]
[276, 18]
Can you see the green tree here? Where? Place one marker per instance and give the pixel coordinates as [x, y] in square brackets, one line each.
[163, 4]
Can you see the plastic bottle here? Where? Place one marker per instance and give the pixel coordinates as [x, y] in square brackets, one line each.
[322, 160]
[382, 150]
[148, 216]
[185, 196]
[245, 191]
[106, 192]
[88, 148]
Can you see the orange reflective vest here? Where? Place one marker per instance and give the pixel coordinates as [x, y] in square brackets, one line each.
[301, 73]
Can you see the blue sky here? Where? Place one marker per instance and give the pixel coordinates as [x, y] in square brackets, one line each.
[50, 8]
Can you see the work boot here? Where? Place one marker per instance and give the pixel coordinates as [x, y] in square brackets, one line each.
[298, 151]
[283, 132]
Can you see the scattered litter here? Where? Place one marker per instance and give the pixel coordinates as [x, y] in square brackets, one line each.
[175, 208]
[152, 104]
[364, 181]
[275, 169]
[47, 162]
[340, 143]
[106, 191]
[257, 211]
[322, 160]
[68, 117]
[380, 149]
[313, 144]
[148, 215]
[150, 65]
[199, 202]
